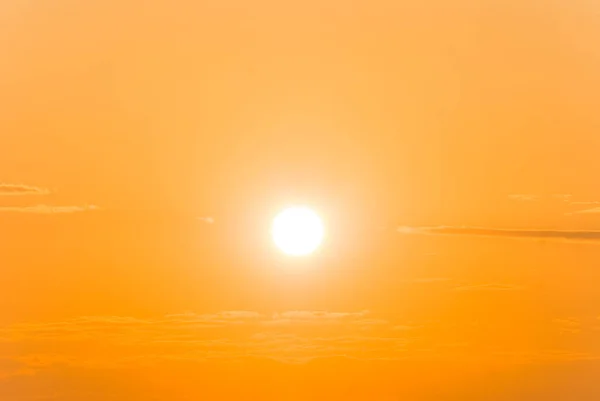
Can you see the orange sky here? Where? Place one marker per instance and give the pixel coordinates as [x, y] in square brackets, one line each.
[451, 147]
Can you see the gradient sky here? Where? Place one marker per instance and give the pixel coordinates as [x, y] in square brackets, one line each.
[450, 146]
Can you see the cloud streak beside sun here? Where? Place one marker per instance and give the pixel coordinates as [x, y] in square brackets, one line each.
[21, 189]
[7, 189]
[539, 234]
[47, 209]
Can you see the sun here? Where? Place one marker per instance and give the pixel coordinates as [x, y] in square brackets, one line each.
[298, 231]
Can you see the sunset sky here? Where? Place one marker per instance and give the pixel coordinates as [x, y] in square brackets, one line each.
[451, 148]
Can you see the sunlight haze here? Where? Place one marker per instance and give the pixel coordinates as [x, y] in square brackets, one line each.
[448, 151]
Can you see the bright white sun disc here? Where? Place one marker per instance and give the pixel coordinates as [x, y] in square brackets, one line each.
[298, 231]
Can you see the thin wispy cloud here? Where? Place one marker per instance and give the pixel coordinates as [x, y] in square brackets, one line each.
[427, 280]
[574, 235]
[48, 209]
[21, 189]
[563, 197]
[593, 210]
[300, 317]
[289, 336]
[227, 335]
[488, 287]
[523, 197]
[534, 197]
[568, 325]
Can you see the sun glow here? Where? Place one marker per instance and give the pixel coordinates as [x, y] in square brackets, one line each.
[297, 231]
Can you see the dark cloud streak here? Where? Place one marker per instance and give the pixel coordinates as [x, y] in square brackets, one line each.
[573, 235]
